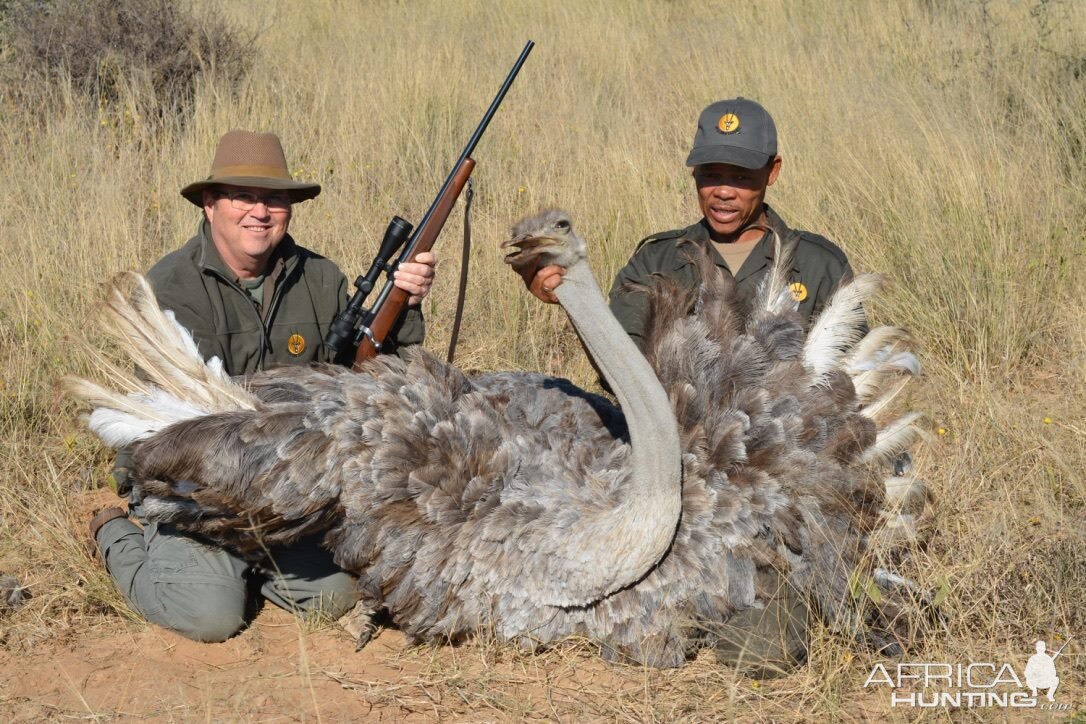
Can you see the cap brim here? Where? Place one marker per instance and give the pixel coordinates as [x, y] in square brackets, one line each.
[298, 190]
[732, 155]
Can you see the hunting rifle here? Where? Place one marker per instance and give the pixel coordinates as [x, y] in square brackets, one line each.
[367, 329]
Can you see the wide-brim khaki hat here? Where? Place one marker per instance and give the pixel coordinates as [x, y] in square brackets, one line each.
[245, 158]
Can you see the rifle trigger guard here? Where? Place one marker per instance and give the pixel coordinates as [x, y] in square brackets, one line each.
[368, 333]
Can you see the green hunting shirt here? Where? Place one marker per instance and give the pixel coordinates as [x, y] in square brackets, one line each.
[818, 266]
[302, 293]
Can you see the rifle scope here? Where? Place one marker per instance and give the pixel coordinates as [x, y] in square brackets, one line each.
[341, 335]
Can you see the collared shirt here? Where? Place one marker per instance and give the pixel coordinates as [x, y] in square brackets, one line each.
[303, 292]
[818, 266]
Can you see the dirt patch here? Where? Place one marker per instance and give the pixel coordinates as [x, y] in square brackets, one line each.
[277, 671]
[273, 670]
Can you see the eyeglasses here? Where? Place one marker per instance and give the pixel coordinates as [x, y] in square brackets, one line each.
[247, 200]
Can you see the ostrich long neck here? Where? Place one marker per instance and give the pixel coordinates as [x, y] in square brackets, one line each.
[622, 544]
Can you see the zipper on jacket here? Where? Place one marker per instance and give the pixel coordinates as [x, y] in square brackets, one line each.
[265, 340]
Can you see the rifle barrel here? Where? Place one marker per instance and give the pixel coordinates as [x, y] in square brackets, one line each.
[412, 244]
[409, 250]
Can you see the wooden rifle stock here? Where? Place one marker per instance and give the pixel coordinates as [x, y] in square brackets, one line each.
[392, 301]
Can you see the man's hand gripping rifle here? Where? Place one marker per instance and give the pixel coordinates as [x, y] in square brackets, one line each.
[367, 329]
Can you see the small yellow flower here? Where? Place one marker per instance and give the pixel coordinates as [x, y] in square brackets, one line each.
[756, 684]
[1047, 421]
[1035, 520]
[942, 431]
[521, 189]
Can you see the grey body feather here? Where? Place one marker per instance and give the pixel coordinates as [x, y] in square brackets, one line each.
[518, 504]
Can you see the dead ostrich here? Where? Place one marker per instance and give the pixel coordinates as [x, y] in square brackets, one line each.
[518, 504]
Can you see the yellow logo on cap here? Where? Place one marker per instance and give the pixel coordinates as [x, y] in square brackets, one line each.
[728, 123]
[296, 344]
[799, 292]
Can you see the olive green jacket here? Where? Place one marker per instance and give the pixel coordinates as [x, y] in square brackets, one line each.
[303, 292]
[818, 266]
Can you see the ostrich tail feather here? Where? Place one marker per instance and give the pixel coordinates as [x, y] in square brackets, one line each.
[840, 326]
[878, 344]
[896, 438]
[873, 383]
[121, 419]
[165, 352]
[161, 378]
[882, 398]
[774, 293]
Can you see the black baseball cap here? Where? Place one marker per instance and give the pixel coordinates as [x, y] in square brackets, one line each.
[736, 131]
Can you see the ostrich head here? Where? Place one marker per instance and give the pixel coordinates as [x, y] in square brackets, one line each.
[544, 239]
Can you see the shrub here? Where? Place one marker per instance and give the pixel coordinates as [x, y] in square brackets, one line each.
[108, 48]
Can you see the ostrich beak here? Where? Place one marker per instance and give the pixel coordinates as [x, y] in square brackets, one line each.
[528, 248]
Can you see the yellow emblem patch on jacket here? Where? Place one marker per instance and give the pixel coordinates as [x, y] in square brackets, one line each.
[296, 344]
[799, 292]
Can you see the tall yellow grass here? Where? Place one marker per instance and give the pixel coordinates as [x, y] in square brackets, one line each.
[941, 143]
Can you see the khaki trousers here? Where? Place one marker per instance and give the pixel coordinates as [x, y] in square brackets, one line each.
[204, 593]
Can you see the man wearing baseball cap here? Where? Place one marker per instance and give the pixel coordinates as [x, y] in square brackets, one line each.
[253, 297]
[733, 161]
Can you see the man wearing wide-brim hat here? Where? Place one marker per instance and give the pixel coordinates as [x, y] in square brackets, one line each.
[734, 160]
[254, 298]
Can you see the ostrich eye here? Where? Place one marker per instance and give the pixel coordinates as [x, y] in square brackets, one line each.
[561, 225]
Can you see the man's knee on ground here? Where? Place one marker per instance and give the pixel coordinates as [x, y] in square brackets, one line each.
[212, 615]
[761, 654]
[303, 577]
[339, 596]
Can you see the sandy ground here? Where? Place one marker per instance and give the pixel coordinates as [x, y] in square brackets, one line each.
[271, 672]
[275, 671]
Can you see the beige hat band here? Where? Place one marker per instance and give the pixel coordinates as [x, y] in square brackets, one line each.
[258, 171]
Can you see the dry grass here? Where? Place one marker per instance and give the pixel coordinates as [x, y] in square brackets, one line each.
[943, 144]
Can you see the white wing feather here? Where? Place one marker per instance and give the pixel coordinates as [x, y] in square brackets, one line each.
[840, 326]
